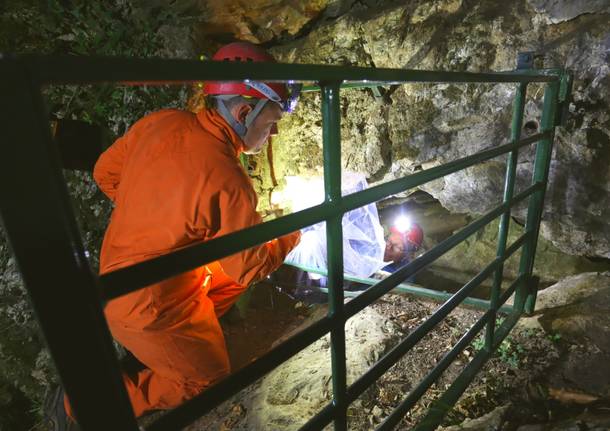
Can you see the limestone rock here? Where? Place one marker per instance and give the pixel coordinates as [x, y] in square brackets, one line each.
[576, 311]
[490, 422]
[572, 289]
[555, 11]
[210, 23]
[417, 126]
[295, 391]
[176, 42]
[298, 389]
[468, 258]
[259, 20]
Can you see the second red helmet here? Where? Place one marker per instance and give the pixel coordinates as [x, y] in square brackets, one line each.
[413, 235]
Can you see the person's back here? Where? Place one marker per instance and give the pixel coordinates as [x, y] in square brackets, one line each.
[166, 177]
[176, 180]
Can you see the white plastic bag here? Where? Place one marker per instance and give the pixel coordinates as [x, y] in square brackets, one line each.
[363, 242]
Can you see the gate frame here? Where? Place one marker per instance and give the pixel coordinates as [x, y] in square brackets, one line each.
[68, 297]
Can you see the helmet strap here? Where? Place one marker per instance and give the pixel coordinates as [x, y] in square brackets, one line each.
[240, 129]
[254, 113]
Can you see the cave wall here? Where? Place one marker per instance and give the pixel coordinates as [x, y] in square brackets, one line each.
[421, 125]
[410, 127]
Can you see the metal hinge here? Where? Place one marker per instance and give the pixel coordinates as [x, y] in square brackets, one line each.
[565, 97]
[530, 60]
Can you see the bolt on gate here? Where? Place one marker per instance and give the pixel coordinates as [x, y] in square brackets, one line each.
[68, 297]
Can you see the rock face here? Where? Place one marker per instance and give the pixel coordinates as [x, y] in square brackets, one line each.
[491, 421]
[295, 391]
[572, 290]
[555, 11]
[285, 398]
[467, 259]
[211, 23]
[576, 309]
[418, 126]
[255, 21]
[25, 366]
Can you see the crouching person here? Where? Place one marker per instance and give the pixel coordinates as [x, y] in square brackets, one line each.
[175, 179]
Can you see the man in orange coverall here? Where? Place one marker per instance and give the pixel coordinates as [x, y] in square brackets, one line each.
[175, 179]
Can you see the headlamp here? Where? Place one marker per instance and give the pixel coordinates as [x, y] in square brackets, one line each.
[402, 224]
[288, 105]
[294, 91]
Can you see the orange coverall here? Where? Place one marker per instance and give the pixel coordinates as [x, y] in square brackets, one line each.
[175, 179]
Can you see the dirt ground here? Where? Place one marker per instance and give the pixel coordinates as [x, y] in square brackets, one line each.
[272, 313]
[521, 379]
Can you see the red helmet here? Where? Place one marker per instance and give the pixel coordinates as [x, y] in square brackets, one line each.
[413, 236]
[246, 52]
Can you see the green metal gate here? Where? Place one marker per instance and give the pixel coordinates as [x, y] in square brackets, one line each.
[68, 297]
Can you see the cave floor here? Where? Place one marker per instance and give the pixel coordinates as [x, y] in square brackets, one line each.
[528, 372]
[522, 382]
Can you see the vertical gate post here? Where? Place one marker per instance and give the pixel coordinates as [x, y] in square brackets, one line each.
[39, 222]
[331, 136]
[509, 186]
[524, 296]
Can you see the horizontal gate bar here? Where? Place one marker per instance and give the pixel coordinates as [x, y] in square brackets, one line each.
[134, 277]
[321, 419]
[347, 86]
[408, 288]
[198, 406]
[87, 70]
[385, 285]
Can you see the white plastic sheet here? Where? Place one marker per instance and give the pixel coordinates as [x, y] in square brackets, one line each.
[363, 242]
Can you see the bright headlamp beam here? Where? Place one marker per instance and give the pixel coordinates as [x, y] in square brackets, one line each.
[402, 223]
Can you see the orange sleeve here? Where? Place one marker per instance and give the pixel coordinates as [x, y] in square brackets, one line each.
[238, 211]
[107, 170]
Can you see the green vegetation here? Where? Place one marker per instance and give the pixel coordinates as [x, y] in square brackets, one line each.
[111, 28]
[77, 27]
[508, 351]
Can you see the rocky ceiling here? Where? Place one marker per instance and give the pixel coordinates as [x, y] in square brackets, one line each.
[257, 21]
[416, 126]
[215, 22]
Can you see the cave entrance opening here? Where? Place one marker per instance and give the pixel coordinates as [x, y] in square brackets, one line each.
[432, 282]
[68, 297]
